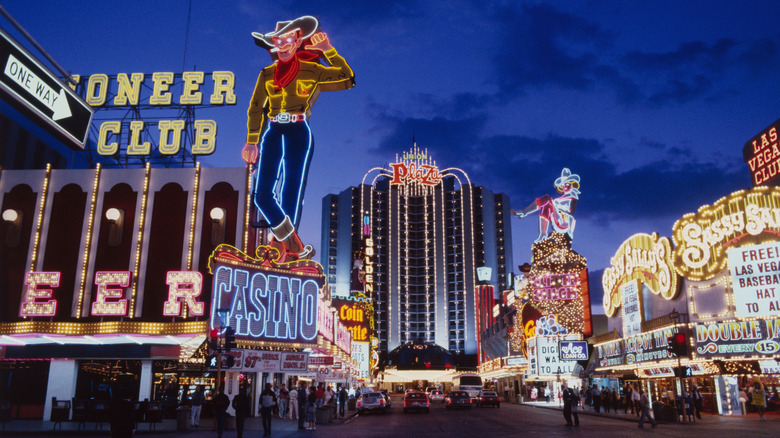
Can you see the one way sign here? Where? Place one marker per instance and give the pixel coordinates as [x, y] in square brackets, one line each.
[36, 91]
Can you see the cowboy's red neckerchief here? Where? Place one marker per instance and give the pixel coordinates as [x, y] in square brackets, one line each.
[287, 71]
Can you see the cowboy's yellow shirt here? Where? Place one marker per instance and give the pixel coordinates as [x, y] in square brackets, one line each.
[299, 95]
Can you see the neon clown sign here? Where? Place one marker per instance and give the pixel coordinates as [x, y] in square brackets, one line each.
[263, 302]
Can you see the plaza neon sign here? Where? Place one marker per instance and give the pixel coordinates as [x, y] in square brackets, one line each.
[263, 302]
[424, 174]
[40, 301]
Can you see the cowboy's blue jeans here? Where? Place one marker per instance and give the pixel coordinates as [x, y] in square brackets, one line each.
[285, 151]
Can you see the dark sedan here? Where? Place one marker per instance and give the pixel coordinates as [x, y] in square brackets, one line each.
[457, 399]
[488, 398]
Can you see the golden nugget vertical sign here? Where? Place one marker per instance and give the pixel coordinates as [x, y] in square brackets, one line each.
[179, 93]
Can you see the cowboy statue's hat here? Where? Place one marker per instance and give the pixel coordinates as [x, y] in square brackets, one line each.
[306, 24]
[567, 178]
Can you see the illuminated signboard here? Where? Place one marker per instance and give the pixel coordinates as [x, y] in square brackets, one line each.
[762, 155]
[138, 90]
[632, 308]
[362, 355]
[746, 217]
[550, 286]
[415, 168]
[325, 321]
[368, 266]
[355, 314]
[755, 277]
[643, 257]
[545, 359]
[753, 338]
[647, 347]
[110, 298]
[573, 350]
[267, 361]
[264, 302]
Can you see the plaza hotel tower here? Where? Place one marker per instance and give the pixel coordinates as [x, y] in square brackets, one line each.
[426, 231]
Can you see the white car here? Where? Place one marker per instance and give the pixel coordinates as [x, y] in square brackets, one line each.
[371, 401]
[437, 396]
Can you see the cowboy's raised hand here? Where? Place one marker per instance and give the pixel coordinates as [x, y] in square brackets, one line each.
[320, 42]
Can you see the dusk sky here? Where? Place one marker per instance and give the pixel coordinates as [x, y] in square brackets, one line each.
[649, 102]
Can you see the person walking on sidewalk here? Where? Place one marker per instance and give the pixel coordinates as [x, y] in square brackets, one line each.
[197, 403]
[698, 401]
[242, 405]
[302, 396]
[221, 403]
[311, 409]
[644, 404]
[284, 397]
[343, 396]
[267, 403]
[293, 403]
[570, 402]
[635, 402]
[759, 400]
[596, 393]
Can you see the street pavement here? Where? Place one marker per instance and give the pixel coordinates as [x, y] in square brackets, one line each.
[530, 419]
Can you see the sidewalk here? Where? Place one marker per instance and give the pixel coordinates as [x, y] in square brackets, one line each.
[620, 415]
[279, 426]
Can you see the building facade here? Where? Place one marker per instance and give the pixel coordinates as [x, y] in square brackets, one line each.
[429, 230]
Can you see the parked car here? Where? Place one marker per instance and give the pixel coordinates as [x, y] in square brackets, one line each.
[371, 402]
[457, 399]
[488, 398]
[416, 401]
[436, 396]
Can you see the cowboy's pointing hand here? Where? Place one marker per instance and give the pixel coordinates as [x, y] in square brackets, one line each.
[319, 42]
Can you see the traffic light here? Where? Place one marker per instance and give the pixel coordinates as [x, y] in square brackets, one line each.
[230, 361]
[214, 339]
[212, 361]
[679, 344]
[682, 371]
[230, 338]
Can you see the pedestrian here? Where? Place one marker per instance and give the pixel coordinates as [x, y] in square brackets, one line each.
[122, 419]
[698, 401]
[197, 403]
[292, 403]
[534, 393]
[275, 408]
[320, 393]
[596, 394]
[570, 401]
[311, 410]
[328, 397]
[635, 402]
[284, 398]
[759, 400]
[615, 400]
[627, 399]
[221, 403]
[302, 396]
[743, 398]
[343, 396]
[644, 404]
[242, 406]
[267, 402]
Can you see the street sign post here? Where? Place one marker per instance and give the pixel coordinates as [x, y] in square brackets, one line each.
[32, 88]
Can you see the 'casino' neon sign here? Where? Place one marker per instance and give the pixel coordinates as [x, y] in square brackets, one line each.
[263, 302]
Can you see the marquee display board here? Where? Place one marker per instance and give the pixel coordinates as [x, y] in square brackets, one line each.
[738, 339]
[762, 155]
[641, 349]
[265, 302]
[743, 218]
[643, 257]
[755, 277]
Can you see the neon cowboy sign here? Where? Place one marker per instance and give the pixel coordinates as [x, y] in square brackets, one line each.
[264, 302]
